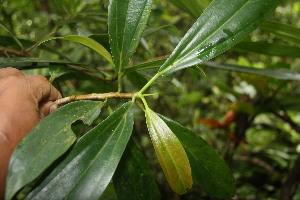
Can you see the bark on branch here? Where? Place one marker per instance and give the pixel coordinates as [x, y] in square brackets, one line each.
[13, 51]
[94, 96]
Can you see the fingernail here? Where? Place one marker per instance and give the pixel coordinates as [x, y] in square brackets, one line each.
[53, 108]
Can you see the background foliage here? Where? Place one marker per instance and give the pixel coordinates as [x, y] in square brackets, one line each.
[258, 137]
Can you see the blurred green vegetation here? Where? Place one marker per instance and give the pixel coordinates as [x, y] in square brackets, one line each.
[265, 145]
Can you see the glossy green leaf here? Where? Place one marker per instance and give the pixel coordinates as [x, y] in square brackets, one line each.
[133, 178]
[47, 141]
[88, 42]
[208, 168]
[280, 73]
[88, 168]
[282, 31]
[271, 49]
[222, 25]
[194, 8]
[170, 153]
[126, 22]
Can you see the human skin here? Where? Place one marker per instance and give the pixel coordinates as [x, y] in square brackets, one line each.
[24, 101]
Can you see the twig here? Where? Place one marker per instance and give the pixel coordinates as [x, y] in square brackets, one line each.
[157, 58]
[100, 78]
[90, 72]
[94, 96]
[13, 51]
[53, 31]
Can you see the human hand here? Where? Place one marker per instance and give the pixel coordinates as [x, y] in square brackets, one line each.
[24, 101]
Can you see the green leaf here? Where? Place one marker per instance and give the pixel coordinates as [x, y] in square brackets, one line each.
[282, 31]
[126, 22]
[208, 168]
[280, 73]
[193, 8]
[133, 178]
[222, 25]
[147, 65]
[271, 49]
[88, 42]
[88, 168]
[53, 134]
[170, 153]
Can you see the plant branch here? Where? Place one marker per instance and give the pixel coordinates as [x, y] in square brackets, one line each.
[100, 78]
[90, 72]
[157, 58]
[52, 32]
[13, 51]
[94, 96]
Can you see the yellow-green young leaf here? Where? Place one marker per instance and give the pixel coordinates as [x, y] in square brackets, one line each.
[88, 42]
[170, 153]
[91, 44]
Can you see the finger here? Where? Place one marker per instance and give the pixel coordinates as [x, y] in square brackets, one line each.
[9, 71]
[42, 89]
[46, 108]
[54, 107]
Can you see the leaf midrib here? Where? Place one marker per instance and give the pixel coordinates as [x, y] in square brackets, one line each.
[169, 155]
[205, 39]
[124, 125]
[195, 158]
[136, 27]
[93, 160]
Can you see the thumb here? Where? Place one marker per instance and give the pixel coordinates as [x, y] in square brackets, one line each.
[46, 108]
